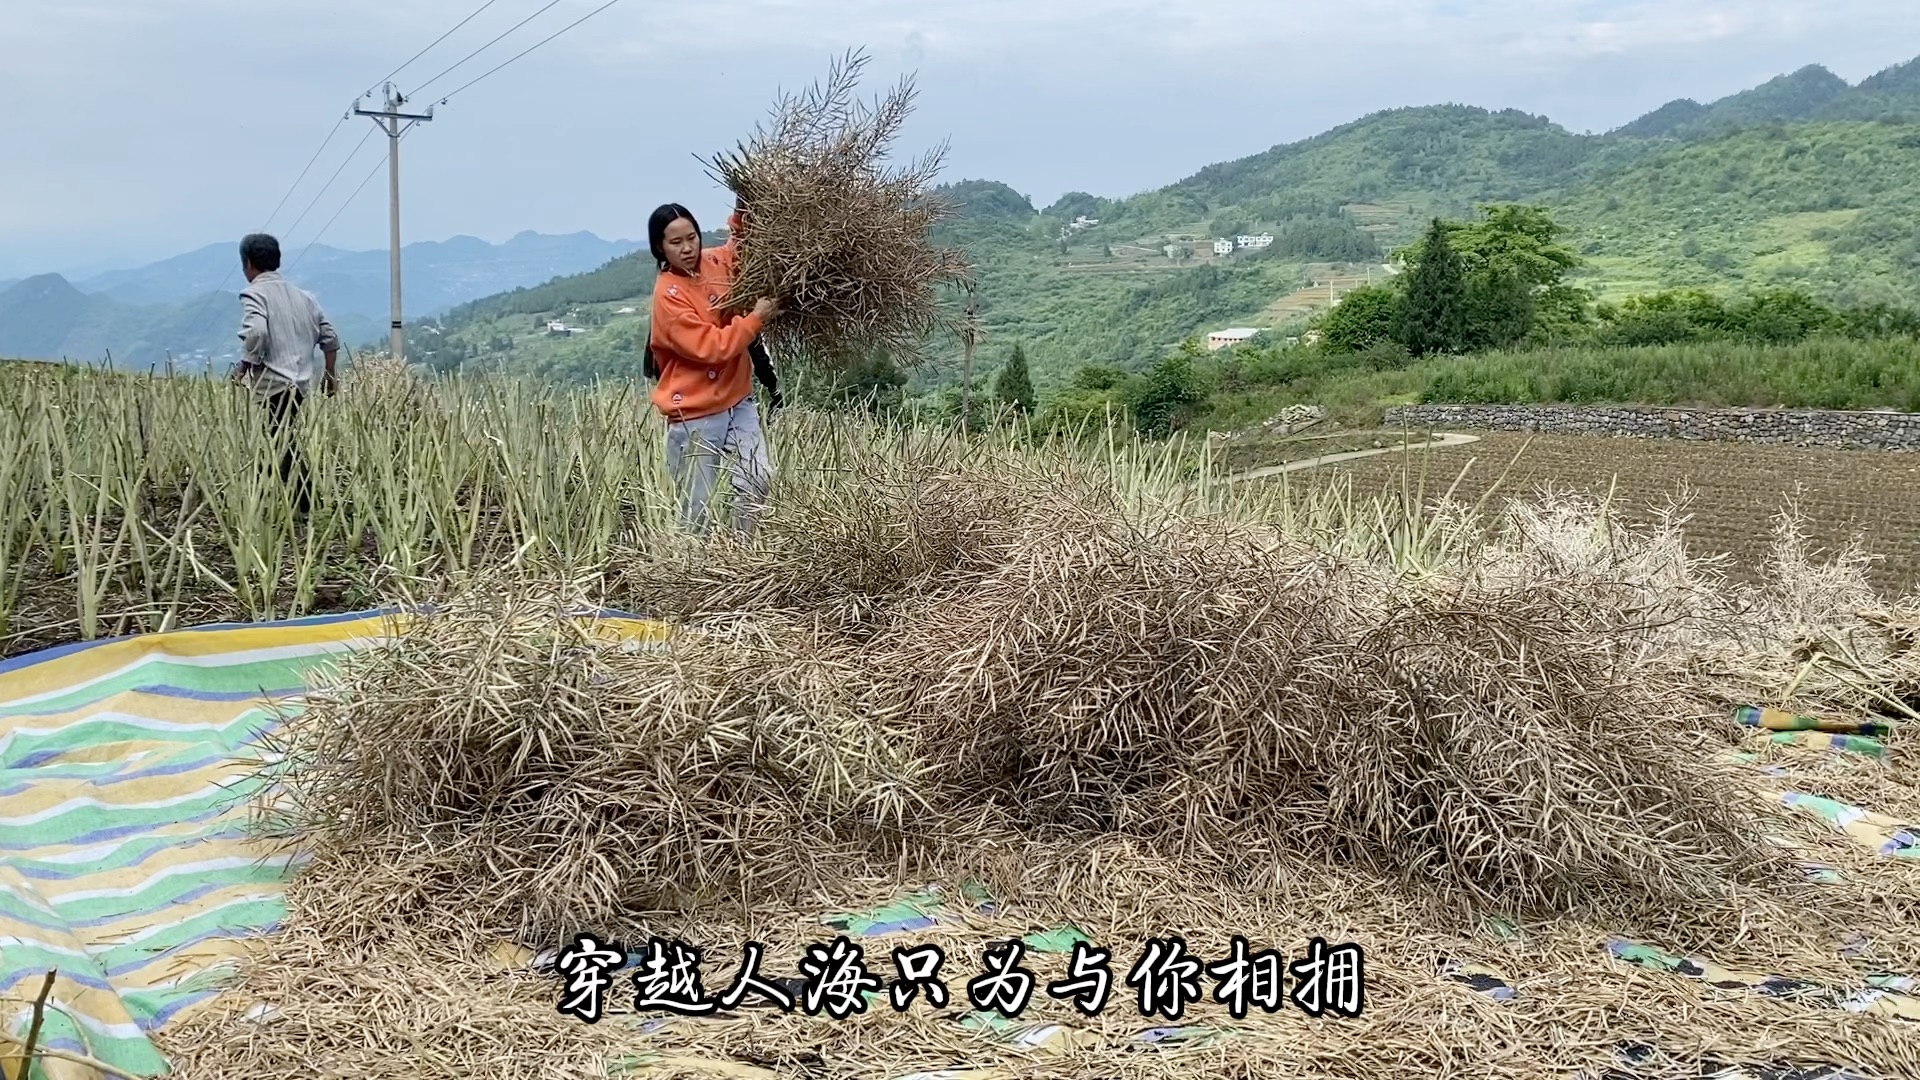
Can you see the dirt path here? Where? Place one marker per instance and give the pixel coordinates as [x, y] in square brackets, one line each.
[1442, 439]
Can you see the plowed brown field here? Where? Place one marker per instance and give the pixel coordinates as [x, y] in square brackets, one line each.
[1734, 490]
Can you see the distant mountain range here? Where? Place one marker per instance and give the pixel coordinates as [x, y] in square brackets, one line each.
[186, 306]
[1804, 182]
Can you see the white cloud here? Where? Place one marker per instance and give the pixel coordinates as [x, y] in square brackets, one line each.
[1634, 26]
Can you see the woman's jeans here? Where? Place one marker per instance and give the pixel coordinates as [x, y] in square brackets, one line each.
[698, 449]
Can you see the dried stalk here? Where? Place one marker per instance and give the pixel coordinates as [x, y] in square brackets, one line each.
[843, 243]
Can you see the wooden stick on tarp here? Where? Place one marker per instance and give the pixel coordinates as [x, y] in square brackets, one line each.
[33, 1029]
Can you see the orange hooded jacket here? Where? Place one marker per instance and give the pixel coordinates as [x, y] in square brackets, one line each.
[701, 352]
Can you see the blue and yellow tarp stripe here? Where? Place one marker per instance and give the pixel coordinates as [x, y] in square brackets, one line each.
[126, 766]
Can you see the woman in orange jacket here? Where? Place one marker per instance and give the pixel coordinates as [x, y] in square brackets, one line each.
[705, 387]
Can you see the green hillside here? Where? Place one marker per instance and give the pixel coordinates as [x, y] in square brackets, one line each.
[1804, 181]
[1410, 163]
[1812, 93]
[47, 318]
[1095, 297]
[1807, 94]
[1893, 92]
[1831, 208]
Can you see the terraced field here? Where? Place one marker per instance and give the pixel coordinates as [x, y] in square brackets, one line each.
[1326, 282]
[1733, 491]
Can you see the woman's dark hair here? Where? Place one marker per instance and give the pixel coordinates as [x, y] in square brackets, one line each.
[657, 229]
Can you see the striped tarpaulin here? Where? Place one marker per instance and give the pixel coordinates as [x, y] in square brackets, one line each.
[125, 773]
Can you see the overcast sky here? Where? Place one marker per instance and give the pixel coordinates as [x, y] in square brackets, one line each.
[131, 130]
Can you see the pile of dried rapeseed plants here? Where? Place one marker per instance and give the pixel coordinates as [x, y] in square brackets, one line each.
[1144, 723]
[844, 243]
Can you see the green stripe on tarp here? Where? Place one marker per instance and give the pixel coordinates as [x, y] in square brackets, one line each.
[251, 677]
[25, 740]
[155, 897]
[1850, 744]
[72, 825]
[135, 1055]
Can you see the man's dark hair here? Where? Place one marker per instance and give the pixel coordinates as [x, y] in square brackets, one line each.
[657, 229]
[260, 251]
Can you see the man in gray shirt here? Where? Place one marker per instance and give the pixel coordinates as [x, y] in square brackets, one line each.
[280, 327]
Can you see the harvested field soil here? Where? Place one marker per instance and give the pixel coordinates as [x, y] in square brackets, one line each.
[1734, 490]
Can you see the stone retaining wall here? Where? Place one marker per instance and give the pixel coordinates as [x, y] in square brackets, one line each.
[1796, 427]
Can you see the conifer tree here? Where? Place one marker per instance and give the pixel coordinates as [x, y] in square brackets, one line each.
[1434, 316]
[1014, 385]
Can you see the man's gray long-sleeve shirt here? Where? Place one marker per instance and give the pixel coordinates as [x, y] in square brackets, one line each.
[279, 328]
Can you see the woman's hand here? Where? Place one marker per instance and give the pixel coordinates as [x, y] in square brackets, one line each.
[766, 309]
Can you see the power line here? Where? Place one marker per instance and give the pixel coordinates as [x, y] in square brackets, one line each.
[391, 117]
[207, 320]
[318, 195]
[324, 143]
[291, 188]
[483, 48]
[201, 327]
[328, 141]
[388, 121]
[363, 139]
[429, 48]
[343, 206]
[303, 172]
[532, 47]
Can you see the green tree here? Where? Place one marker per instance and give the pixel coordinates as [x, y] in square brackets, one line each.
[1514, 267]
[1098, 377]
[1086, 410]
[873, 384]
[1075, 204]
[1434, 315]
[949, 404]
[1500, 309]
[1880, 320]
[1561, 313]
[1014, 385]
[1511, 238]
[986, 198]
[1668, 318]
[1362, 319]
[1169, 392]
[1783, 316]
[1336, 238]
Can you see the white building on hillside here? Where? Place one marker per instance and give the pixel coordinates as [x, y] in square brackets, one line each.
[1223, 246]
[1259, 241]
[1220, 339]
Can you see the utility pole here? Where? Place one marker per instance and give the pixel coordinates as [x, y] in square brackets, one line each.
[969, 335]
[388, 120]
